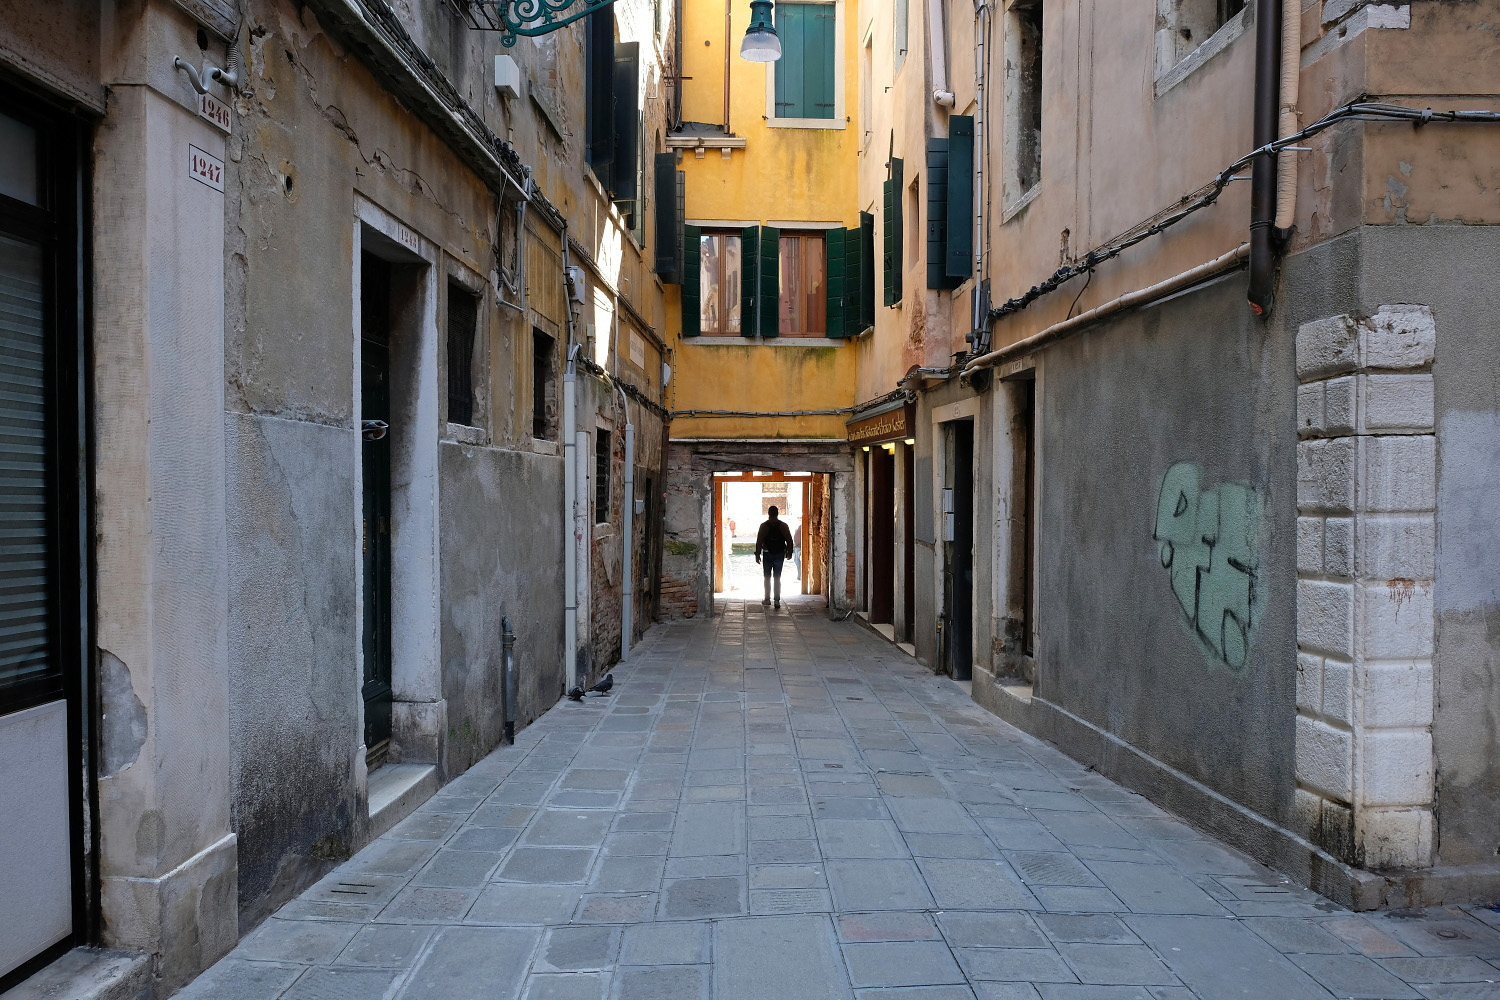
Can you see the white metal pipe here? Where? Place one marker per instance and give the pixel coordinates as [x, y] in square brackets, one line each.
[1140, 296]
[1291, 76]
[938, 42]
[627, 610]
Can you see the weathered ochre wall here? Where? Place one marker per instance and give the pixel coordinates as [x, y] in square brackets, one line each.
[781, 176]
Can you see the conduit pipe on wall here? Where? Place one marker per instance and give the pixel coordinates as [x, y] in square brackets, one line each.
[937, 40]
[570, 518]
[1141, 296]
[1291, 79]
[1263, 196]
[627, 540]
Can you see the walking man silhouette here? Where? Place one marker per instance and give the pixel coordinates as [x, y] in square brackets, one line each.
[775, 541]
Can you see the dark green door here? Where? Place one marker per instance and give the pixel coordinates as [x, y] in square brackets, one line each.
[375, 414]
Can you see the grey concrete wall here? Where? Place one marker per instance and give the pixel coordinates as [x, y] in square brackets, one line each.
[1451, 269]
[1194, 380]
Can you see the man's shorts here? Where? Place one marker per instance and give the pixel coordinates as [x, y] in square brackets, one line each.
[771, 565]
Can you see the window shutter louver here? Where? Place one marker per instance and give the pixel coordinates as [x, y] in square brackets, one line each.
[790, 69]
[937, 213]
[599, 119]
[692, 309]
[818, 62]
[837, 286]
[749, 285]
[627, 125]
[865, 247]
[769, 280]
[891, 271]
[669, 203]
[959, 262]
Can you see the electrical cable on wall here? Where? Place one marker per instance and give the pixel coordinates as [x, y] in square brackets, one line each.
[1209, 194]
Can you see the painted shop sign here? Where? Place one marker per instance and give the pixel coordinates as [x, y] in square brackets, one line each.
[883, 426]
[205, 168]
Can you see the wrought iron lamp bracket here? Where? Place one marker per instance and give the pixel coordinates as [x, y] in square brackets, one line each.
[514, 18]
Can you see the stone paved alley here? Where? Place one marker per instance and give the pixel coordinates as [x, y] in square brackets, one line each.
[776, 806]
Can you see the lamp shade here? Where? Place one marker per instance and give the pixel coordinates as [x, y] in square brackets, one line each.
[761, 44]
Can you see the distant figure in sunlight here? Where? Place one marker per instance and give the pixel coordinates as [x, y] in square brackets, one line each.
[775, 540]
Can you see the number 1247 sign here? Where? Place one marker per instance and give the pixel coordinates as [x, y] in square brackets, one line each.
[205, 169]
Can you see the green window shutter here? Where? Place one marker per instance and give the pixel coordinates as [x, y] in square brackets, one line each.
[669, 238]
[627, 124]
[769, 279]
[865, 248]
[960, 249]
[791, 70]
[837, 285]
[937, 212]
[891, 268]
[692, 279]
[818, 61]
[749, 268]
[599, 125]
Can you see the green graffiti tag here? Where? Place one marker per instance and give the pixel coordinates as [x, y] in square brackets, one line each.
[1207, 540]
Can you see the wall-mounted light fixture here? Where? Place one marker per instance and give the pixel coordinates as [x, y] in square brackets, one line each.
[761, 44]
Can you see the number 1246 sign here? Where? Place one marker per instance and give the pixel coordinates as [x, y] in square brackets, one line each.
[205, 169]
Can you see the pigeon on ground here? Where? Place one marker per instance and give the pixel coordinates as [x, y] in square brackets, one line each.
[576, 694]
[603, 686]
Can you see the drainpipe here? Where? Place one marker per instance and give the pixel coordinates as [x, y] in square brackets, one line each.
[627, 547]
[508, 679]
[728, 50]
[1291, 78]
[1263, 171]
[570, 516]
[937, 40]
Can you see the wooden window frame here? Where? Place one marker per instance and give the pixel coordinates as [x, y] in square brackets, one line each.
[713, 282]
[815, 301]
[840, 112]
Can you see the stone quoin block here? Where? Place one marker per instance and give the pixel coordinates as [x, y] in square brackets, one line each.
[1338, 546]
[1396, 838]
[1397, 337]
[1395, 768]
[1309, 682]
[1325, 474]
[1339, 406]
[1397, 473]
[1338, 691]
[1396, 620]
[1325, 617]
[1310, 545]
[1325, 757]
[1307, 809]
[1326, 347]
[1310, 409]
[1396, 693]
[1396, 404]
[1398, 546]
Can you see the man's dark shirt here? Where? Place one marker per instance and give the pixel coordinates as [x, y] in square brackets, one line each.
[771, 535]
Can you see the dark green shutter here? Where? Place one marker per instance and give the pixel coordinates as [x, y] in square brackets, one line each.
[692, 281]
[959, 262]
[769, 275]
[865, 247]
[891, 265]
[837, 285]
[937, 212]
[627, 125]
[599, 123]
[818, 61]
[749, 268]
[791, 80]
[669, 238]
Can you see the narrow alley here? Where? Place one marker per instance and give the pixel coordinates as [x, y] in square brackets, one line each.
[773, 805]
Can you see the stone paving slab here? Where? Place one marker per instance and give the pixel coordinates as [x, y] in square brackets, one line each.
[773, 806]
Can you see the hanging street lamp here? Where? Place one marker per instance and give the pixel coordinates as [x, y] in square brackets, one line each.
[761, 44]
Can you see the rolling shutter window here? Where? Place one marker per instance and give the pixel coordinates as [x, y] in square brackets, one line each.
[837, 286]
[959, 262]
[749, 269]
[691, 306]
[891, 265]
[768, 278]
[865, 247]
[669, 204]
[804, 73]
[937, 213]
[627, 126]
[599, 77]
[25, 580]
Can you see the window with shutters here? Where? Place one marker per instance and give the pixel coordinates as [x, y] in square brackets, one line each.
[892, 223]
[612, 120]
[806, 85]
[803, 307]
[603, 463]
[543, 386]
[1023, 102]
[720, 291]
[463, 333]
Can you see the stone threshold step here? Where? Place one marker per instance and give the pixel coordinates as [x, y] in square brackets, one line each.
[89, 974]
